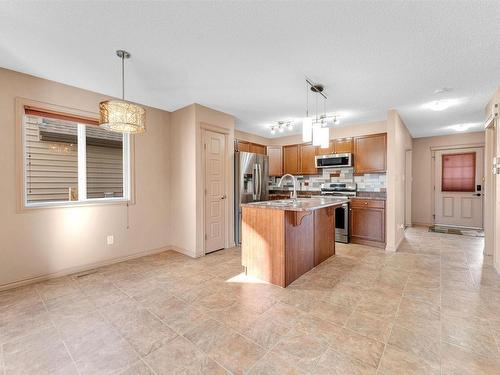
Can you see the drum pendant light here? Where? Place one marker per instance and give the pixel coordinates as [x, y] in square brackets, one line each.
[121, 116]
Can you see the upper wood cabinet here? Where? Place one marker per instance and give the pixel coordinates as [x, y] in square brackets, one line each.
[307, 153]
[326, 151]
[258, 149]
[370, 153]
[245, 146]
[343, 145]
[275, 154]
[291, 159]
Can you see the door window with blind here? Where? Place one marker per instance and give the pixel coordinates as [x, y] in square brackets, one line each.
[459, 172]
[70, 160]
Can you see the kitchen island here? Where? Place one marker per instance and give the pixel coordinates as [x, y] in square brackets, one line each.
[283, 239]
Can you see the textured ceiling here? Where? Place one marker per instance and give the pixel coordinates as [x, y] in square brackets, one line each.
[250, 59]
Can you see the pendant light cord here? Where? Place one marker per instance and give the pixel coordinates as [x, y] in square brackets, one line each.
[123, 76]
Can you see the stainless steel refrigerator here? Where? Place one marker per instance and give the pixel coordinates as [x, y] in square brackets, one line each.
[251, 176]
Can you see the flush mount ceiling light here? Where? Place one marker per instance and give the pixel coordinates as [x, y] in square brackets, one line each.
[281, 126]
[441, 105]
[316, 130]
[463, 127]
[121, 116]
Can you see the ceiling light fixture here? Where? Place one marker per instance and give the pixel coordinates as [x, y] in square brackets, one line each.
[463, 127]
[281, 126]
[316, 129]
[121, 116]
[441, 105]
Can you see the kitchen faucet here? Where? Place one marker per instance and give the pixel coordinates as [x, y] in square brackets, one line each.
[294, 193]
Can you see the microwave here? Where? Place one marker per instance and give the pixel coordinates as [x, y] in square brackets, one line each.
[334, 161]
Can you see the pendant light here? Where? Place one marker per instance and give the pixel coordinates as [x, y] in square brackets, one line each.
[315, 131]
[121, 116]
[307, 125]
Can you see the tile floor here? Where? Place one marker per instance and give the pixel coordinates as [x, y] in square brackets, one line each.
[431, 308]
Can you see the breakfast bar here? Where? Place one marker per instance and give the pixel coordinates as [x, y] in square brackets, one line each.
[283, 239]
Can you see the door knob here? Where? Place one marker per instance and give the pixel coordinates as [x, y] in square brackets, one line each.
[223, 196]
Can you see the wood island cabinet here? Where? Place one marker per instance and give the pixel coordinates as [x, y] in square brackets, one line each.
[291, 159]
[370, 154]
[275, 154]
[367, 222]
[307, 154]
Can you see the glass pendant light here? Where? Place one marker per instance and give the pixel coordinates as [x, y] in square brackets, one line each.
[121, 116]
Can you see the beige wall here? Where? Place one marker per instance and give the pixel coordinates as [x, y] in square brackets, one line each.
[399, 141]
[422, 192]
[47, 241]
[182, 146]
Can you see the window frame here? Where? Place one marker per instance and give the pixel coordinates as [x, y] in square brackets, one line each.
[128, 161]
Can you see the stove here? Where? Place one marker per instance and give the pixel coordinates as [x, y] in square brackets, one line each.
[340, 190]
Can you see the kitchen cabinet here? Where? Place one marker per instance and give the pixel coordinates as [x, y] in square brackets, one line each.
[245, 146]
[370, 154]
[275, 154]
[326, 151]
[257, 149]
[324, 234]
[307, 153]
[343, 145]
[367, 222]
[291, 159]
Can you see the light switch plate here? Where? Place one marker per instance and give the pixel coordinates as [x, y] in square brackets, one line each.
[110, 240]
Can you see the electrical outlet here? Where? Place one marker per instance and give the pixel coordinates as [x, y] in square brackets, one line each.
[110, 240]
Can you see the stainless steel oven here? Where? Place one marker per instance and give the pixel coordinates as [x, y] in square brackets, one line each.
[340, 190]
[334, 161]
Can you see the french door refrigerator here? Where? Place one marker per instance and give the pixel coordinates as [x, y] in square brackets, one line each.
[251, 175]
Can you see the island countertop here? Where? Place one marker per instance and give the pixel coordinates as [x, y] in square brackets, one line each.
[300, 204]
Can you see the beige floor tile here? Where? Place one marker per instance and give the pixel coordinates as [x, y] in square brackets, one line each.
[138, 368]
[216, 302]
[413, 313]
[180, 356]
[56, 288]
[179, 315]
[266, 330]
[472, 333]
[40, 353]
[330, 312]
[30, 320]
[236, 317]
[332, 362]
[370, 325]
[304, 348]
[459, 361]
[276, 364]
[396, 362]
[208, 334]
[345, 295]
[236, 353]
[423, 343]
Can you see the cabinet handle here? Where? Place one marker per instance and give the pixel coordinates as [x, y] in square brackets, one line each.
[366, 202]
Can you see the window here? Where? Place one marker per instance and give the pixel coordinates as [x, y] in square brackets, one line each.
[70, 160]
[459, 172]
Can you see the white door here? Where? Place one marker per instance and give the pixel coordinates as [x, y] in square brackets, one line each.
[215, 195]
[459, 187]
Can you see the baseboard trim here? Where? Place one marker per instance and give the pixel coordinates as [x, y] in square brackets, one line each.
[182, 251]
[87, 267]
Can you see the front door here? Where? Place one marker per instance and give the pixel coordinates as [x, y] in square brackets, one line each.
[459, 187]
[215, 195]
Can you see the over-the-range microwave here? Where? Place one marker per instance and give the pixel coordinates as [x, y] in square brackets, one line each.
[334, 161]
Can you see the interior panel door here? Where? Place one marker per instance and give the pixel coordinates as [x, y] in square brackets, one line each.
[215, 195]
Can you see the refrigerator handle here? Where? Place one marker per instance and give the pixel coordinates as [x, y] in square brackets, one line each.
[254, 181]
[259, 184]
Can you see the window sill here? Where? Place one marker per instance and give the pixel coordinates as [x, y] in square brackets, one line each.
[88, 202]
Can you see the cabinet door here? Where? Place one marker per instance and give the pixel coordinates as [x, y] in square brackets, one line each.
[326, 151]
[370, 153]
[324, 234]
[275, 160]
[291, 159]
[307, 159]
[343, 145]
[368, 223]
[258, 149]
[242, 146]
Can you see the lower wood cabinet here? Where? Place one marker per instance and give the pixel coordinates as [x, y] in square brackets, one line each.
[324, 234]
[367, 222]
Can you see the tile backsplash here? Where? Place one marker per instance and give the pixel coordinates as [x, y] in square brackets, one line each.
[367, 182]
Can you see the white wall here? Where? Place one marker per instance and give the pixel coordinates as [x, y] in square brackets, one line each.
[422, 190]
[47, 241]
[398, 142]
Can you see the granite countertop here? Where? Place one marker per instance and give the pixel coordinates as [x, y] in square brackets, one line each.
[374, 197]
[300, 204]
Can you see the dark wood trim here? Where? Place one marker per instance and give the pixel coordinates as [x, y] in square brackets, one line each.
[361, 241]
